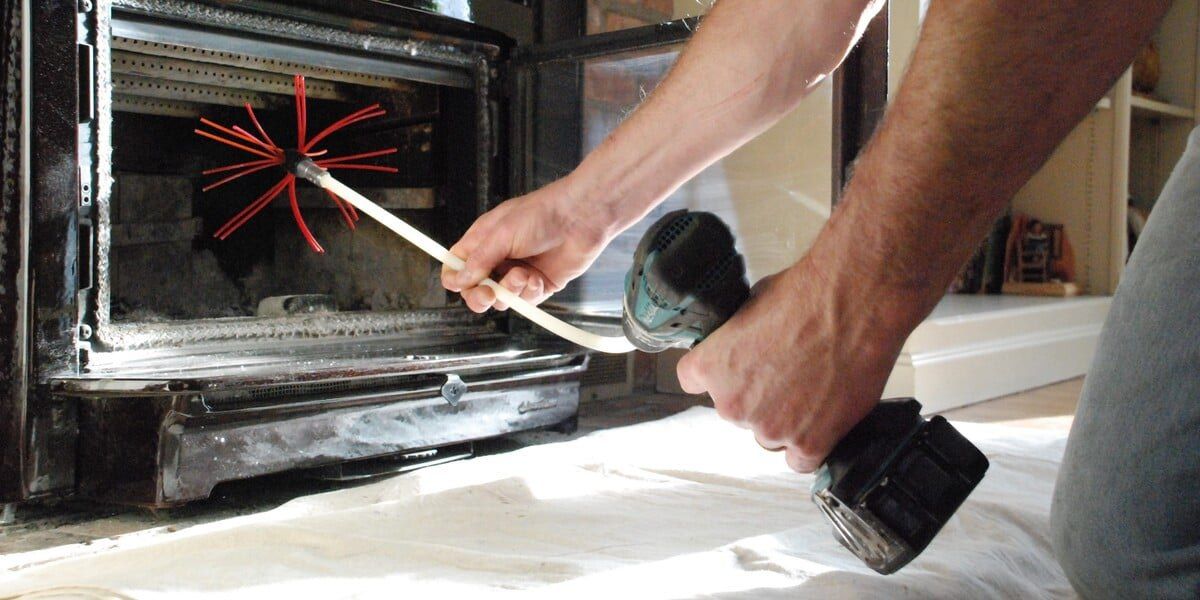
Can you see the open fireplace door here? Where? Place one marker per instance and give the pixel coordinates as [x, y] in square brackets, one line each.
[571, 90]
[567, 94]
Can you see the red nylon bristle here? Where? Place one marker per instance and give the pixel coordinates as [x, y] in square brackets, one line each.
[337, 159]
[342, 207]
[304, 106]
[308, 236]
[236, 134]
[358, 119]
[363, 114]
[262, 144]
[258, 126]
[215, 137]
[251, 209]
[237, 175]
[353, 115]
[377, 168]
[349, 207]
[301, 110]
[253, 163]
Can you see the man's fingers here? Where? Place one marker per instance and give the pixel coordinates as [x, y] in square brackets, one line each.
[450, 279]
[484, 258]
[768, 445]
[514, 281]
[533, 289]
[688, 371]
[801, 463]
[463, 248]
[762, 284]
[479, 299]
[692, 371]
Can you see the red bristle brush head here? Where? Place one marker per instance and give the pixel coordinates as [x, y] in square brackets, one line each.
[268, 154]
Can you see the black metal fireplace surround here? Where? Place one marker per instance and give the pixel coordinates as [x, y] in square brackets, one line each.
[145, 362]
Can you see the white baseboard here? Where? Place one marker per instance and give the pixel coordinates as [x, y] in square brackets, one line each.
[975, 348]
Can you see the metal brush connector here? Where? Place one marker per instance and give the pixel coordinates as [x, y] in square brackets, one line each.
[308, 170]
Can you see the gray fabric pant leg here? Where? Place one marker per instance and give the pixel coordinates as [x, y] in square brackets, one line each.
[1126, 510]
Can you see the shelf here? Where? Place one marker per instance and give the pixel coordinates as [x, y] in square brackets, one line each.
[1146, 108]
[960, 309]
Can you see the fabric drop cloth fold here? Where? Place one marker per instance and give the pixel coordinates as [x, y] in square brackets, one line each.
[679, 508]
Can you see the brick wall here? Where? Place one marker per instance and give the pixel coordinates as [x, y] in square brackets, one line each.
[613, 15]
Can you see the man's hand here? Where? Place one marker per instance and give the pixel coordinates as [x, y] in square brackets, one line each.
[799, 365]
[537, 242]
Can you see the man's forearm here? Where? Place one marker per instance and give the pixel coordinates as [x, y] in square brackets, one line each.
[993, 87]
[749, 64]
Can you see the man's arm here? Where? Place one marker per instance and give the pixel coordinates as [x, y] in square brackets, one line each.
[993, 87]
[750, 63]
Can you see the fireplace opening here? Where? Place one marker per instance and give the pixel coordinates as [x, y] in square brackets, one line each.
[164, 262]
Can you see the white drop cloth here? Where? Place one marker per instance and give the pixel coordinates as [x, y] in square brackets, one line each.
[683, 507]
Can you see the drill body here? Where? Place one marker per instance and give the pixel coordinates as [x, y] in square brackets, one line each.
[891, 483]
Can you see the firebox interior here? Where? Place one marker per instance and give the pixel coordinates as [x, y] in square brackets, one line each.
[165, 263]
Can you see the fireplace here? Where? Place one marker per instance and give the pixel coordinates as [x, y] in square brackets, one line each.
[151, 361]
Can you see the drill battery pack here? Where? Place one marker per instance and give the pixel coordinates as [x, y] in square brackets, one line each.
[891, 484]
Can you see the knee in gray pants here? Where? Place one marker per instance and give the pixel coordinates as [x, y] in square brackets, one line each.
[1126, 511]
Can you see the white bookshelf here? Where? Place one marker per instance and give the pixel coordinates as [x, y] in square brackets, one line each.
[1149, 108]
[978, 347]
[1159, 126]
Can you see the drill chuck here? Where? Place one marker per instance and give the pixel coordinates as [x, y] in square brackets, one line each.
[686, 280]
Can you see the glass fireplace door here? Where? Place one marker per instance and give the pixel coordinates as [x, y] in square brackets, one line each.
[775, 192]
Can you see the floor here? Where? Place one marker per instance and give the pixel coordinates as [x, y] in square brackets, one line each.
[69, 522]
[1050, 407]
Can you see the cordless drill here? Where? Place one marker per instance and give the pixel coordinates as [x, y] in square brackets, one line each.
[891, 483]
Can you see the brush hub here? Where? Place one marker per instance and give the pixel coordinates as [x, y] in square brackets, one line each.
[291, 159]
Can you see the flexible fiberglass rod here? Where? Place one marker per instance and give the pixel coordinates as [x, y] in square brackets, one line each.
[321, 178]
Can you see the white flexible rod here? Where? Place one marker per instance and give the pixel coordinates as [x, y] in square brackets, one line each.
[320, 177]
